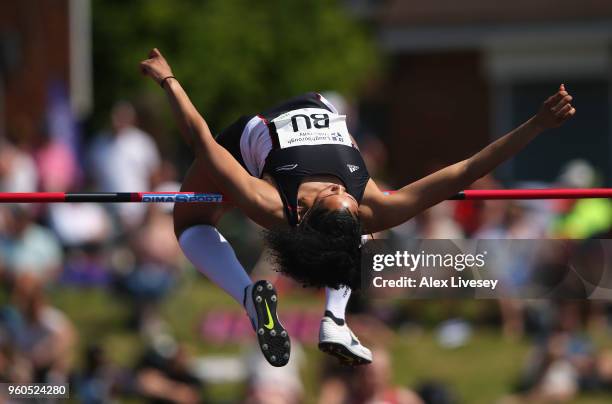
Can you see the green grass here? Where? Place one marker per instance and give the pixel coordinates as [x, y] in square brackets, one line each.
[480, 372]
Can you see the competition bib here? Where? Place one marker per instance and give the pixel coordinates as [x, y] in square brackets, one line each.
[311, 126]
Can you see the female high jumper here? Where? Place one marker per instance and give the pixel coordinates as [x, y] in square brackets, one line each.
[296, 171]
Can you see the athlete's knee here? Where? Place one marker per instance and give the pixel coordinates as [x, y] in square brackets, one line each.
[196, 237]
[186, 217]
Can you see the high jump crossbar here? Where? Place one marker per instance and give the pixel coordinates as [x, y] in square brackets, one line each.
[195, 197]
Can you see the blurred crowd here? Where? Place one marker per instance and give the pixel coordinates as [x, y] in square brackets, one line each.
[129, 251]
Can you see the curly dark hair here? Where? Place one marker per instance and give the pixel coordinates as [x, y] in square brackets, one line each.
[324, 250]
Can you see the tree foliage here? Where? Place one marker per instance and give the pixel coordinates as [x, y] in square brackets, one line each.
[233, 56]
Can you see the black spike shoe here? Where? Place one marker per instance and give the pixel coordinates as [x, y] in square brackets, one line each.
[272, 337]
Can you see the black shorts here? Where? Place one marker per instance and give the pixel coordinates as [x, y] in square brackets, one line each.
[229, 137]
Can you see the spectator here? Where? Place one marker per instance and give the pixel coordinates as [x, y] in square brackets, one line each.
[42, 335]
[434, 223]
[365, 385]
[27, 248]
[77, 224]
[85, 230]
[437, 392]
[157, 262]
[96, 383]
[563, 360]
[373, 385]
[271, 385]
[56, 163]
[163, 376]
[581, 218]
[480, 215]
[125, 160]
[14, 367]
[17, 170]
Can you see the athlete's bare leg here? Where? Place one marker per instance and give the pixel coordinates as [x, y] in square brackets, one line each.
[190, 214]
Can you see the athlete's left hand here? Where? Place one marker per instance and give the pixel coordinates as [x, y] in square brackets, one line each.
[556, 110]
[156, 66]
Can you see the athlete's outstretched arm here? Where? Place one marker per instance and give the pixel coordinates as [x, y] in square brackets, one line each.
[258, 199]
[385, 211]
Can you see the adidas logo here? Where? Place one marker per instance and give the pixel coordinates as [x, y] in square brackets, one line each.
[352, 168]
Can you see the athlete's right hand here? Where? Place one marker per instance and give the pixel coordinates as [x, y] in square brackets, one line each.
[156, 66]
[556, 110]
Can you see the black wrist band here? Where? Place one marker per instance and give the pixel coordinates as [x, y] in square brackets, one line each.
[163, 81]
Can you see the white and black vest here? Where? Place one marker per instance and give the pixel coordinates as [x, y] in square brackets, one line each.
[310, 139]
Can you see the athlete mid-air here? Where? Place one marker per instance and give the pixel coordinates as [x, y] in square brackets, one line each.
[296, 171]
